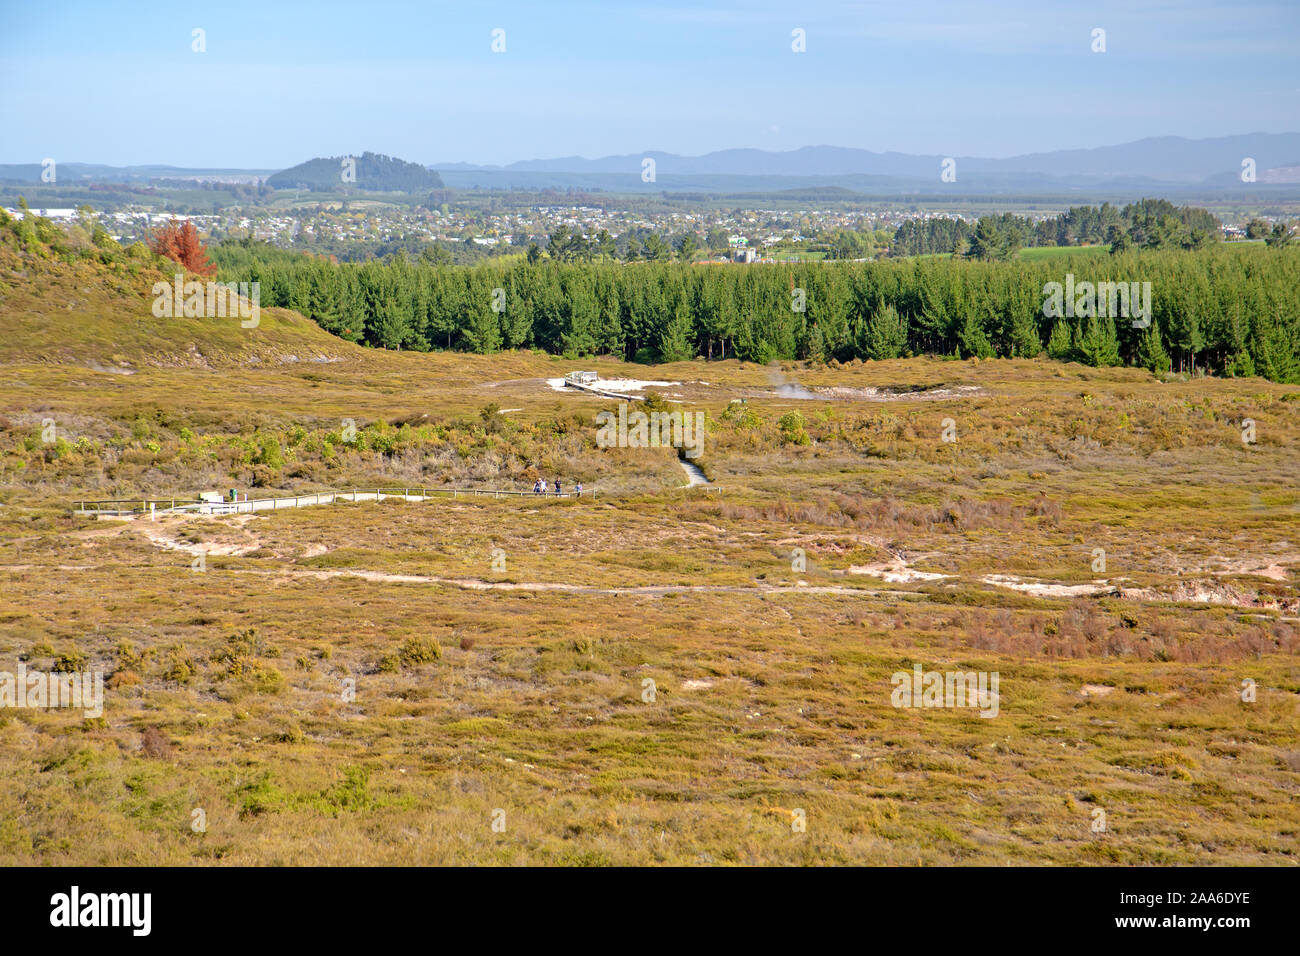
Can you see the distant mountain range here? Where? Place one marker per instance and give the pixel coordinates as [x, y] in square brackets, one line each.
[1165, 164]
[1158, 161]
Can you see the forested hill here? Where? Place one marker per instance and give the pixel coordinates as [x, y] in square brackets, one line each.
[1228, 309]
[373, 172]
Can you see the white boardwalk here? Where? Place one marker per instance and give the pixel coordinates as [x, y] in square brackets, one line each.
[152, 506]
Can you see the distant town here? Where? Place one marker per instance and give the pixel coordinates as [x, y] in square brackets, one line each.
[365, 227]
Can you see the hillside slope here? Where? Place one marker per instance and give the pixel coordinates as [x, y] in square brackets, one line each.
[67, 299]
[373, 171]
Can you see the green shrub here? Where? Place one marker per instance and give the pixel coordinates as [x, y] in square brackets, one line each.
[269, 453]
[739, 414]
[180, 666]
[419, 651]
[70, 663]
[792, 429]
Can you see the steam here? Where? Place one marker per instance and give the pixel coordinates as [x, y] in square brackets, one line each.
[786, 389]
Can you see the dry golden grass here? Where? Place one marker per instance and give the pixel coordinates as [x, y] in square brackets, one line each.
[523, 689]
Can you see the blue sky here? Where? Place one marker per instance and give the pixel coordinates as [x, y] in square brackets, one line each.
[281, 82]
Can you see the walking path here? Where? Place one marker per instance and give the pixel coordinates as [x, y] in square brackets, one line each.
[694, 476]
[156, 506]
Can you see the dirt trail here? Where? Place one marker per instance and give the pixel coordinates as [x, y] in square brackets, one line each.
[1183, 593]
[237, 540]
[896, 571]
[1044, 589]
[1275, 570]
[473, 584]
[160, 537]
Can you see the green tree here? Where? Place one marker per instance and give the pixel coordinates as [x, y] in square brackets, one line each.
[1275, 346]
[656, 249]
[482, 327]
[606, 247]
[1098, 345]
[675, 343]
[1060, 345]
[1282, 235]
[1119, 240]
[973, 340]
[1024, 339]
[991, 242]
[1151, 354]
[883, 335]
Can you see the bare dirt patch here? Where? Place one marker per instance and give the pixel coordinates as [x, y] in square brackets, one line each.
[1045, 589]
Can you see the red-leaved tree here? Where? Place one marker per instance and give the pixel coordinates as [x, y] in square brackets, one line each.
[179, 241]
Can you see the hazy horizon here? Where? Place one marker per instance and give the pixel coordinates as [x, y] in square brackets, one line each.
[435, 164]
[273, 87]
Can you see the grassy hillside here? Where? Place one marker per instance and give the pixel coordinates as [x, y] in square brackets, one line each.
[69, 302]
[650, 676]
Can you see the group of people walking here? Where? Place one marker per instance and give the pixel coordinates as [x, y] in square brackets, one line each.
[540, 488]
